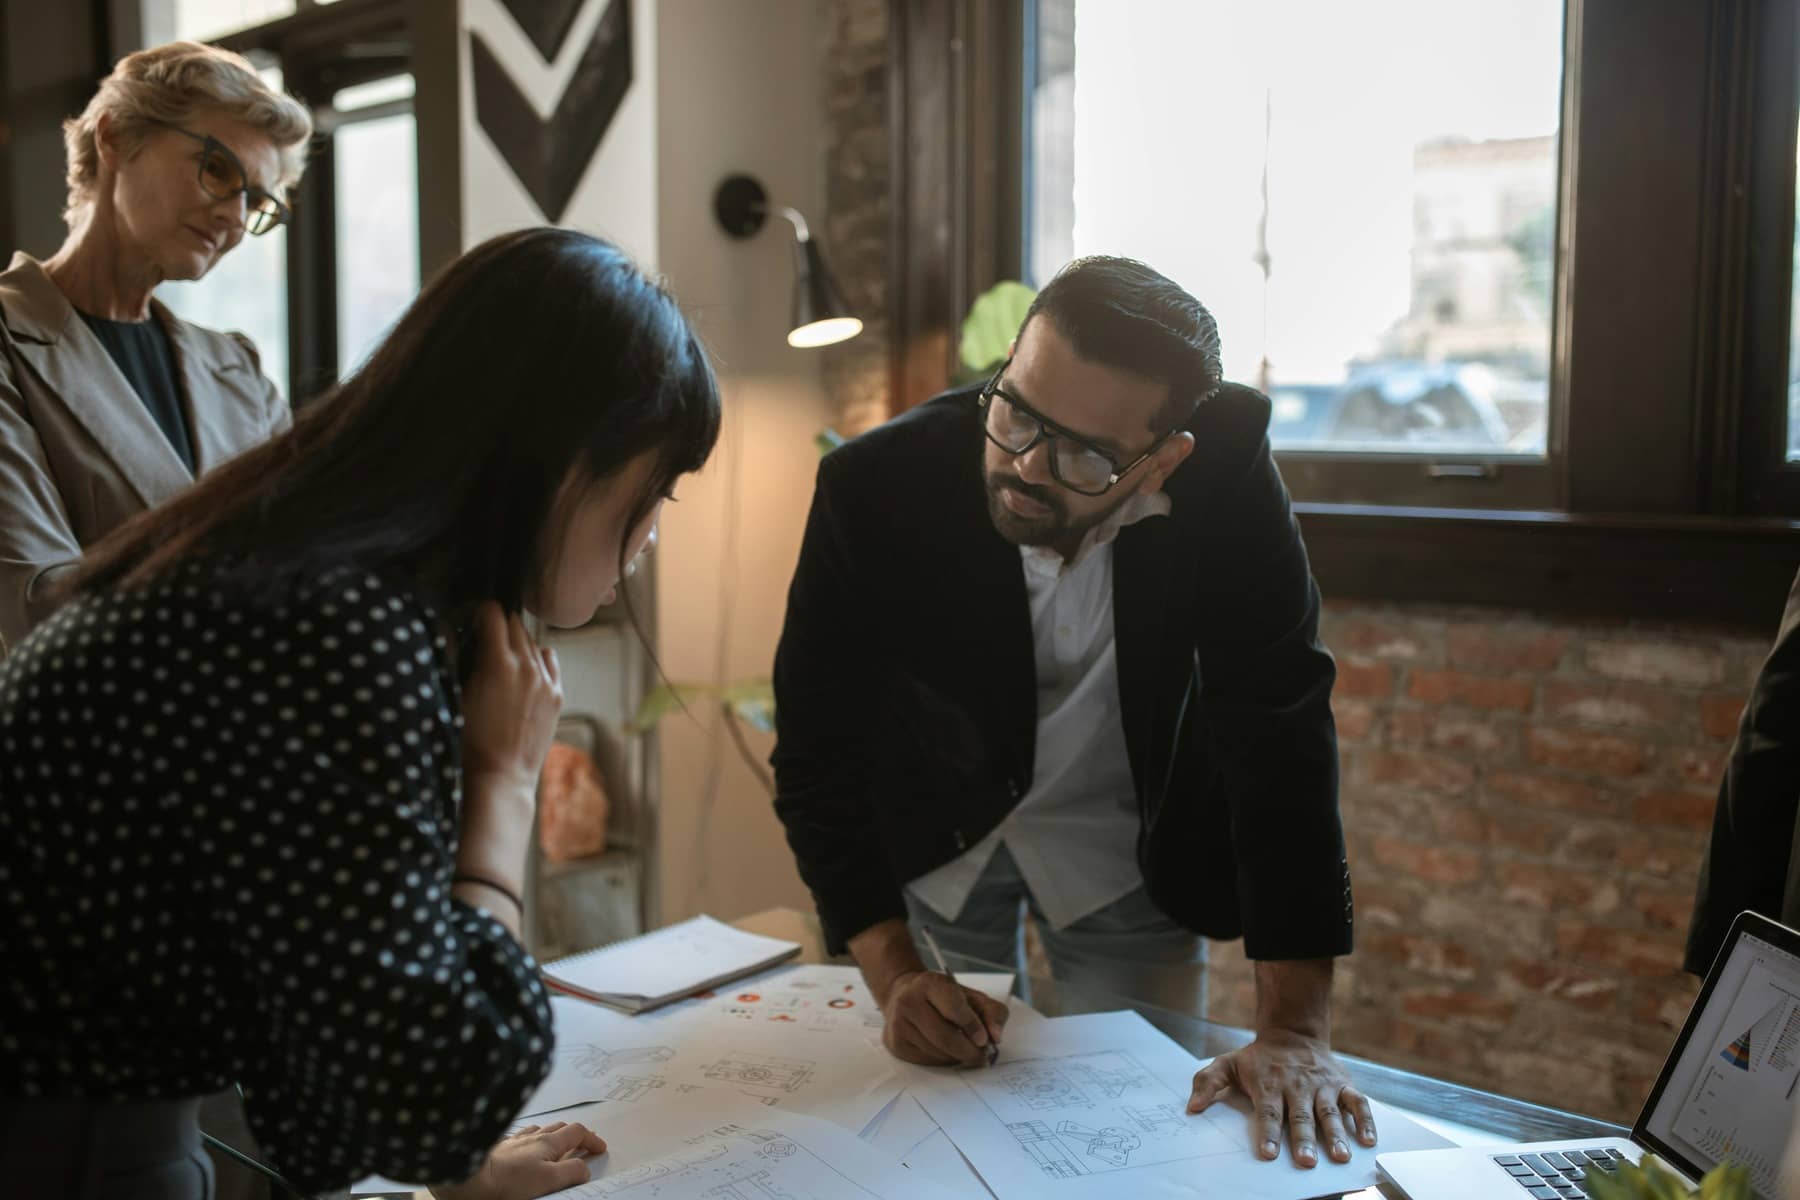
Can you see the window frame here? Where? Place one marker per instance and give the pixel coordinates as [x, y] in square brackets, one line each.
[1664, 320]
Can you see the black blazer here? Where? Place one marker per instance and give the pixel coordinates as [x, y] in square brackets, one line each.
[906, 701]
[1752, 857]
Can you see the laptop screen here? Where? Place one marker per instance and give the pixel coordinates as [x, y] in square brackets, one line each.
[1728, 1092]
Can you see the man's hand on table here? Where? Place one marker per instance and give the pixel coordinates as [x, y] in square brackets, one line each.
[1296, 1085]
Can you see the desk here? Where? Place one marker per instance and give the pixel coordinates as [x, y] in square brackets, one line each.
[1467, 1116]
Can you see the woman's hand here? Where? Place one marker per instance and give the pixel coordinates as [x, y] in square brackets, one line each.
[532, 1162]
[511, 702]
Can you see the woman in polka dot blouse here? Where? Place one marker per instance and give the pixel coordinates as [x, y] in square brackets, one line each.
[267, 775]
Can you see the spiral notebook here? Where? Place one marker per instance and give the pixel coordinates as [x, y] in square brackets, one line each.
[666, 965]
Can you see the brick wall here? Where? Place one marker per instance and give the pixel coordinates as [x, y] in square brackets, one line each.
[1526, 803]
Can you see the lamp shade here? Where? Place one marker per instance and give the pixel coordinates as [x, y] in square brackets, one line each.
[821, 317]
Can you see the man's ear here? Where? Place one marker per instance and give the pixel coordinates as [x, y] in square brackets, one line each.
[1168, 456]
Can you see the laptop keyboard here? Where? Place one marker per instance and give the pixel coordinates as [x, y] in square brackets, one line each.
[1557, 1175]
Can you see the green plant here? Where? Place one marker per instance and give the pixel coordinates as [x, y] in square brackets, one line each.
[1653, 1181]
[989, 329]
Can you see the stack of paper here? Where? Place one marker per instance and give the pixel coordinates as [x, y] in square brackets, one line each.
[667, 965]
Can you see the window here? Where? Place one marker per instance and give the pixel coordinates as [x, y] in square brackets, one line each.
[1368, 210]
[377, 213]
[246, 292]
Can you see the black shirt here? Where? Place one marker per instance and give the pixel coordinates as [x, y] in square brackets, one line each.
[143, 354]
[227, 831]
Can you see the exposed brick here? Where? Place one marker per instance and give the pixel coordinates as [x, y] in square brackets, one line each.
[1379, 902]
[1525, 833]
[1551, 792]
[1664, 909]
[1476, 691]
[1611, 704]
[1666, 1006]
[1584, 750]
[1489, 648]
[1586, 990]
[1570, 1083]
[1458, 1004]
[1413, 769]
[1382, 639]
[1429, 956]
[1704, 767]
[1657, 856]
[1433, 864]
[1555, 889]
[1355, 719]
[1430, 1050]
[1441, 729]
[1676, 663]
[1634, 952]
[1364, 677]
[1686, 810]
[1719, 716]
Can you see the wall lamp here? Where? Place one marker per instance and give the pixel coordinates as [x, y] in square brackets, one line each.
[820, 316]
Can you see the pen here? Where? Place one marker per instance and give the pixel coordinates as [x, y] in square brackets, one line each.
[993, 1047]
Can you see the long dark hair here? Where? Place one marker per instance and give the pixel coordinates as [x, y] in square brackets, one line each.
[534, 353]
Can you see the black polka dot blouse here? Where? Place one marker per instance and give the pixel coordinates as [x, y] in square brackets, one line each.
[227, 828]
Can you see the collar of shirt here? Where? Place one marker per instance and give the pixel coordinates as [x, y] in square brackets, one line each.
[1047, 562]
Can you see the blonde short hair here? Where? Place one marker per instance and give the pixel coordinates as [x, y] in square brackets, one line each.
[168, 83]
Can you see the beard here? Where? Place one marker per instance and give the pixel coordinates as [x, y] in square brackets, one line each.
[1054, 528]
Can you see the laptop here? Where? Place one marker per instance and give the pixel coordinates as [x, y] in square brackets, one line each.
[1726, 1094]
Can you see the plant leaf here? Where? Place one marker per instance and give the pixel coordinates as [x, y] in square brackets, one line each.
[660, 701]
[992, 324]
[753, 701]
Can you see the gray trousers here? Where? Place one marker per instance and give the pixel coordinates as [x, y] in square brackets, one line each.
[1129, 950]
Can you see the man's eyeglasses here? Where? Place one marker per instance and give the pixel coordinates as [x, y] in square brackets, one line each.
[222, 177]
[1076, 463]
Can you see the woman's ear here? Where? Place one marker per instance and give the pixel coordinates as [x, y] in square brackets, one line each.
[106, 142]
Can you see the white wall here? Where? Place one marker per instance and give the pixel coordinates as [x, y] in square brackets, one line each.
[738, 89]
[719, 86]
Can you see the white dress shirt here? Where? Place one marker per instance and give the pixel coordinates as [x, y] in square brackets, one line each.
[1074, 835]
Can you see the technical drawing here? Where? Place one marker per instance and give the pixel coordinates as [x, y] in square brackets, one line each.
[1113, 1083]
[1159, 1119]
[593, 1061]
[1053, 1160]
[1111, 1145]
[758, 1186]
[633, 1087]
[762, 1070]
[1037, 1085]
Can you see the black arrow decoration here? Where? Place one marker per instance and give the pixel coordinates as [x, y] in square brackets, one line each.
[549, 157]
[545, 22]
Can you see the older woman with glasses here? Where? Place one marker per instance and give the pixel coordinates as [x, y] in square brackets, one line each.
[109, 404]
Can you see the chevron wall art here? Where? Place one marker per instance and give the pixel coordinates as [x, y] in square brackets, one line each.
[550, 155]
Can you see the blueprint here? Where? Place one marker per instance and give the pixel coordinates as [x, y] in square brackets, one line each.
[721, 1146]
[815, 999]
[1096, 1106]
[602, 1054]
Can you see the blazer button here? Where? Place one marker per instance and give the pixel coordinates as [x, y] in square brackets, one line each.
[1012, 788]
[962, 843]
